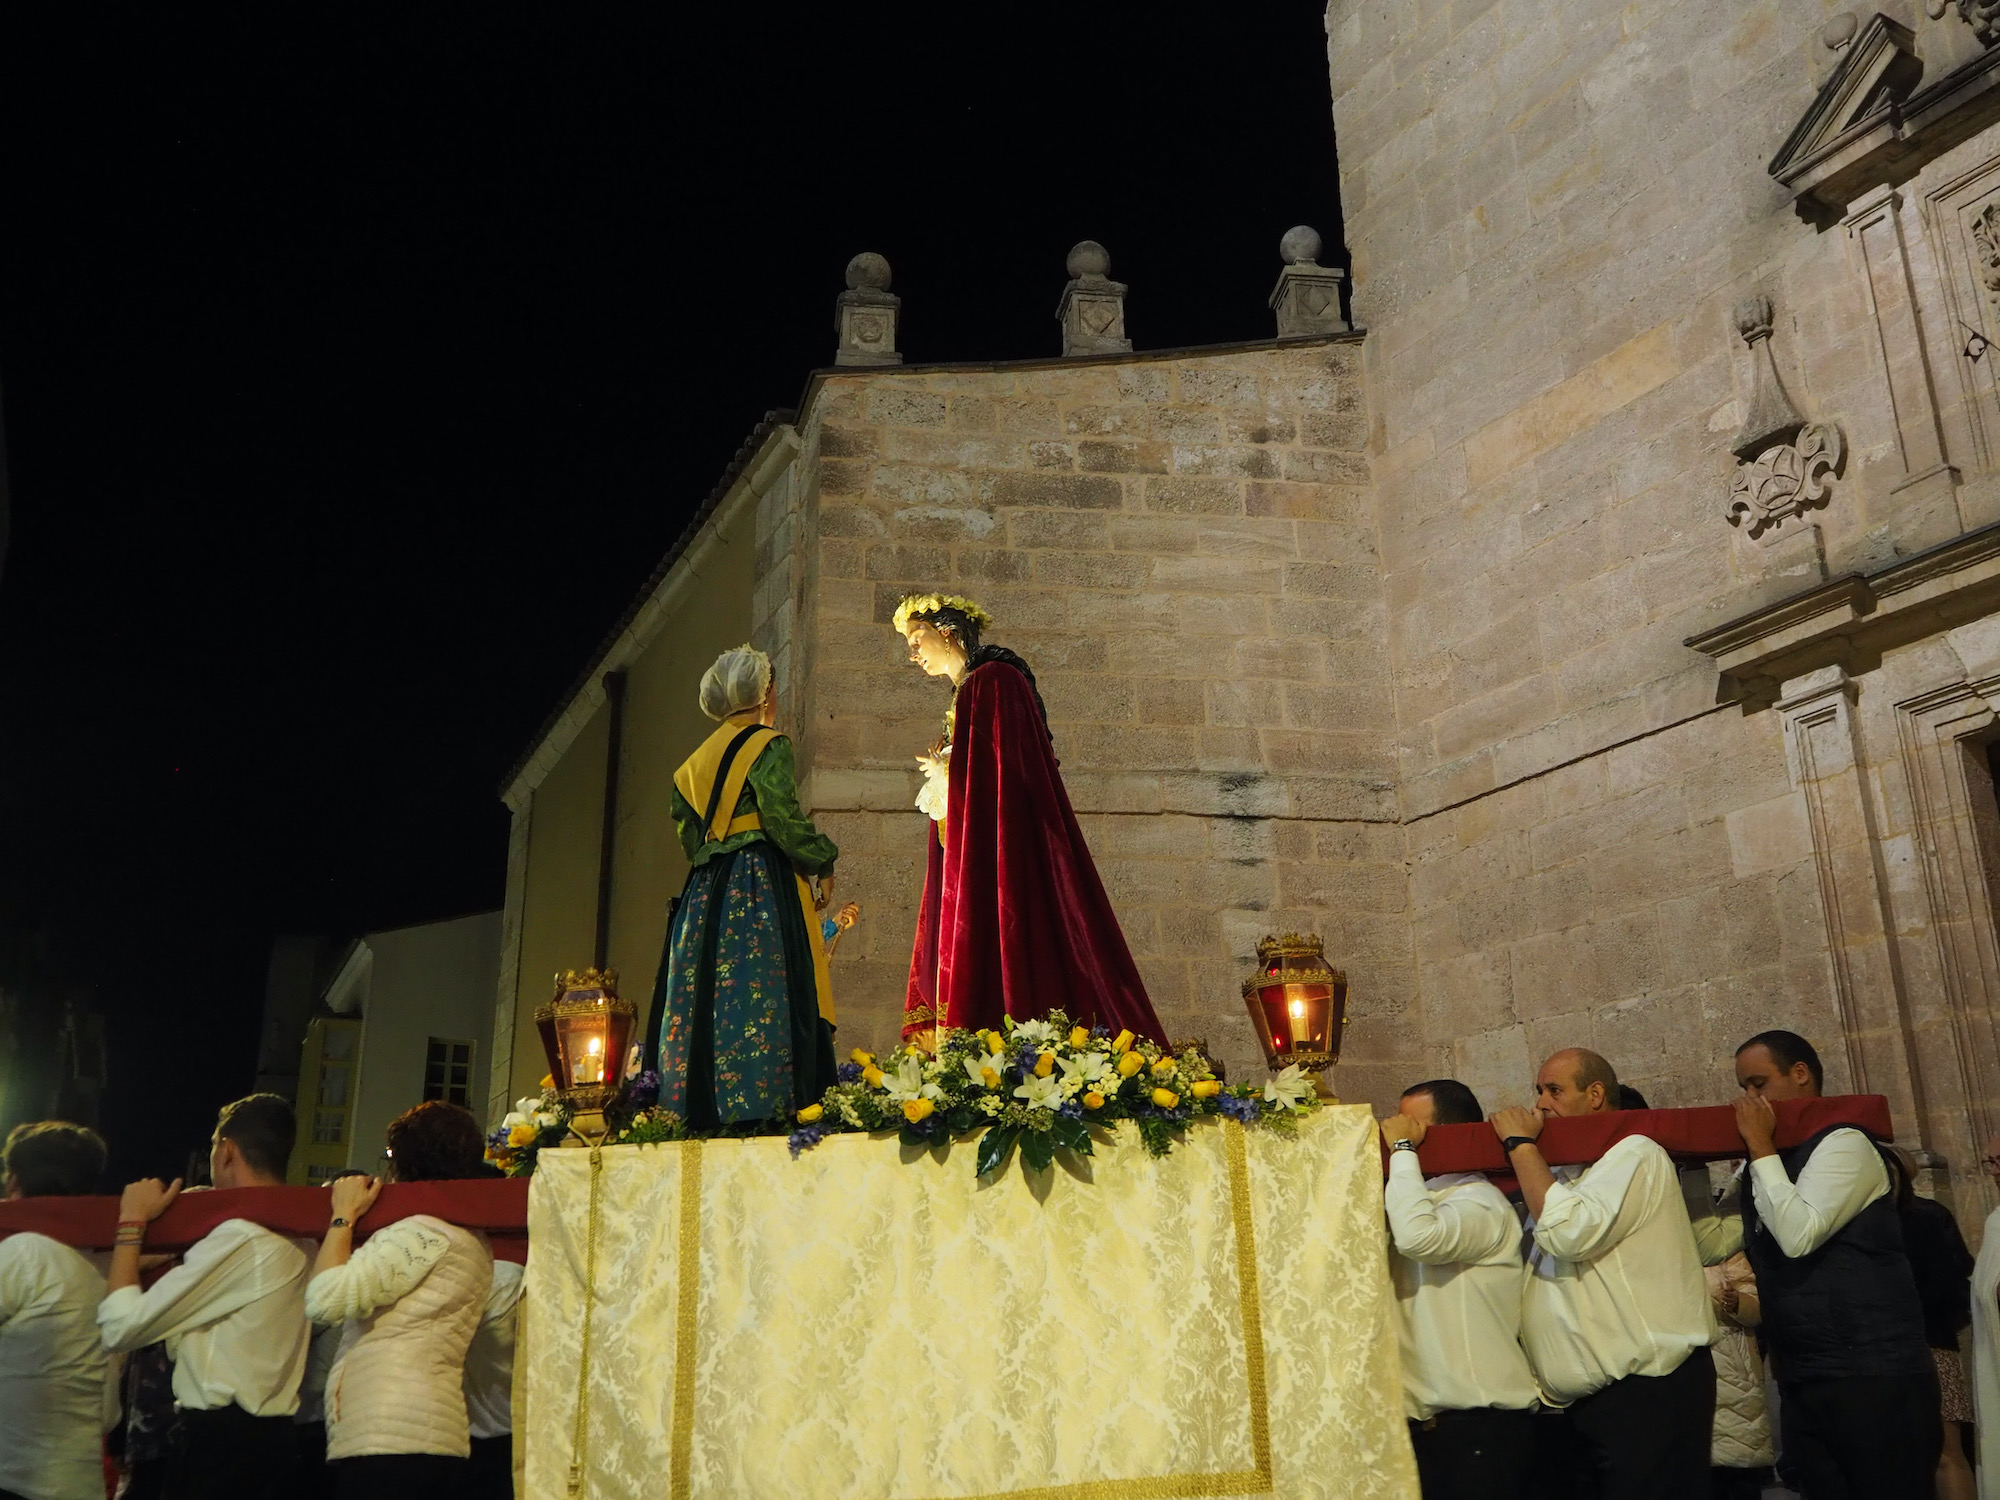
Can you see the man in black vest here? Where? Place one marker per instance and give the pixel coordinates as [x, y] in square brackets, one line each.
[1858, 1394]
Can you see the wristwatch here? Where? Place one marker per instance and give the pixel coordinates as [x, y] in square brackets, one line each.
[1402, 1145]
[1514, 1143]
[341, 1224]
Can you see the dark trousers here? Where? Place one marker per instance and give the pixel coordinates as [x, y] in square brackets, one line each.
[1646, 1437]
[1737, 1484]
[489, 1475]
[396, 1476]
[231, 1455]
[1488, 1452]
[1868, 1437]
[315, 1478]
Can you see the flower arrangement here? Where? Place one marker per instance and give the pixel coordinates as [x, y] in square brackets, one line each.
[634, 1118]
[1042, 1085]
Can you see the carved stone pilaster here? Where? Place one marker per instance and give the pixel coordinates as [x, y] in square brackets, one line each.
[1307, 296]
[1092, 310]
[1783, 461]
[865, 314]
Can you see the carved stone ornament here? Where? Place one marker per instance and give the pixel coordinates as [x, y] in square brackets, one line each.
[1783, 461]
[1785, 481]
[1986, 235]
[1983, 16]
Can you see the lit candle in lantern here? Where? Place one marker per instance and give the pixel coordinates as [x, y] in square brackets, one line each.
[590, 1066]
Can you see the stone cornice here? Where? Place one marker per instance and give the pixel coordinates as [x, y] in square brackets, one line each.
[1852, 620]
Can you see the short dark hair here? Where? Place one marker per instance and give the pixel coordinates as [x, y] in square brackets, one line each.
[1630, 1098]
[436, 1141]
[263, 1128]
[1788, 1049]
[1451, 1101]
[54, 1159]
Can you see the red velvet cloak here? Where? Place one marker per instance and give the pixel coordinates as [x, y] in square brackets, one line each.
[1015, 920]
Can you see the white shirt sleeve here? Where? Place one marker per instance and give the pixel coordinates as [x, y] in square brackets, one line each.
[1437, 1231]
[1842, 1176]
[1580, 1220]
[383, 1270]
[501, 1299]
[216, 1277]
[16, 1281]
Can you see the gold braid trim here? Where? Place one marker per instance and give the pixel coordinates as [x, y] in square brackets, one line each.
[577, 1438]
[687, 1304]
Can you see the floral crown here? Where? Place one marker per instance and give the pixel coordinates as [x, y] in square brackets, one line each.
[922, 605]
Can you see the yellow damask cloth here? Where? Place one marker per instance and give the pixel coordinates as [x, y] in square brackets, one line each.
[858, 1326]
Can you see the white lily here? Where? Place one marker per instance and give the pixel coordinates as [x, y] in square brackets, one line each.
[526, 1107]
[1041, 1093]
[1083, 1068]
[983, 1069]
[1033, 1033]
[512, 1118]
[1290, 1088]
[907, 1082]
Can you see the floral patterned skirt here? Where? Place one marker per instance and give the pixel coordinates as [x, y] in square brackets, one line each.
[736, 1013]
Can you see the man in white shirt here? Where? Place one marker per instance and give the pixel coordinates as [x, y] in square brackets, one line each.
[489, 1389]
[1858, 1408]
[57, 1395]
[233, 1315]
[1467, 1389]
[1615, 1314]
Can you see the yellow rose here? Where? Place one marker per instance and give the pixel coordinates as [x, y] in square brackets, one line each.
[1164, 1065]
[866, 1059]
[915, 1110]
[811, 1114]
[995, 1043]
[872, 1076]
[1129, 1064]
[1122, 1041]
[1045, 1064]
[548, 1080]
[1079, 1038]
[1093, 1100]
[1166, 1098]
[522, 1134]
[1208, 1088]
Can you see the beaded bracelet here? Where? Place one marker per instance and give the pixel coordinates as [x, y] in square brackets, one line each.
[130, 1232]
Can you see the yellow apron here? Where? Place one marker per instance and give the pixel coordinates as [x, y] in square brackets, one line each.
[696, 782]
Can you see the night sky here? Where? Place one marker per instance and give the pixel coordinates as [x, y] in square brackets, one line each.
[360, 363]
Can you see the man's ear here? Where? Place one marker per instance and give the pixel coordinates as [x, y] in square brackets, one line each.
[1801, 1075]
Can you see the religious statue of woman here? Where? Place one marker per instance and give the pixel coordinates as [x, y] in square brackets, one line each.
[742, 1019]
[1014, 920]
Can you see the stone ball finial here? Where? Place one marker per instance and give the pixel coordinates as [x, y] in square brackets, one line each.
[1839, 31]
[1088, 258]
[1300, 246]
[868, 272]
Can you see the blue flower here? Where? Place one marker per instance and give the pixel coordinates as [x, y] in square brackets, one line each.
[1243, 1111]
[805, 1138]
[848, 1072]
[1071, 1111]
[644, 1090]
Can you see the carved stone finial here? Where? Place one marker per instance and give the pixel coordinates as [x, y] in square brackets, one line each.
[865, 314]
[1839, 31]
[1307, 296]
[1771, 418]
[1092, 310]
[1783, 461]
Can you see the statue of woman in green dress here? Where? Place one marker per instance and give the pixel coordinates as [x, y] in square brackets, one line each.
[742, 1019]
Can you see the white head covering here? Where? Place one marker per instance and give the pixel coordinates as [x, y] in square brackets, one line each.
[736, 683]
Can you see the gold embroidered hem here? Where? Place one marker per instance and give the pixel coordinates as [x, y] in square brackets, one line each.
[1217, 1323]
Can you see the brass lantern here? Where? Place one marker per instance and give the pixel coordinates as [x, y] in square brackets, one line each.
[1298, 1005]
[585, 1030]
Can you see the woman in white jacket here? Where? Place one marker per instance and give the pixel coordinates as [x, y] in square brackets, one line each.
[410, 1299]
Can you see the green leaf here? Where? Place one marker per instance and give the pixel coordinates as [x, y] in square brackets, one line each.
[1038, 1149]
[994, 1147]
[1072, 1135]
